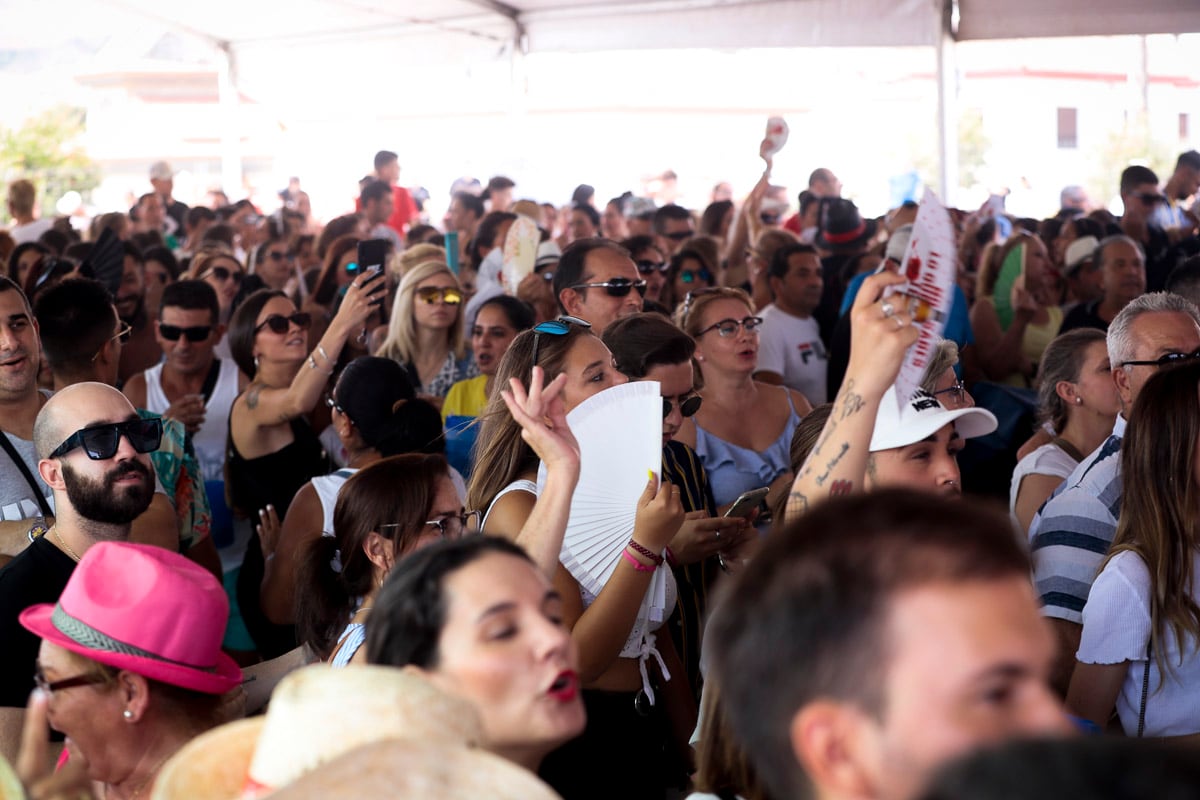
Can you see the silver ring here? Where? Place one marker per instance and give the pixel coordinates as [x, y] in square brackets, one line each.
[899, 323]
[718, 533]
[887, 308]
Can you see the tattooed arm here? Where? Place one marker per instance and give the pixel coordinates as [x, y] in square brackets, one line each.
[838, 463]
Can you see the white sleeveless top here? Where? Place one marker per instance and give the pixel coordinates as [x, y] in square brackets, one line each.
[518, 485]
[327, 488]
[209, 441]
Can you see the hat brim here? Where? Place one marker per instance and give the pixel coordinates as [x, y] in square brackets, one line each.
[225, 675]
[968, 422]
[213, 766]
[869, 228]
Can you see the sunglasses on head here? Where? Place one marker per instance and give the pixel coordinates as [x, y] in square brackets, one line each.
[196, 333]
[555, 327]
[101, 441]
[431, 294]
[650, 267]
[687, 408]
[224, 273]
[278, 323]
[616, 287]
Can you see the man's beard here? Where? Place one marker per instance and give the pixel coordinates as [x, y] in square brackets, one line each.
[100, 501]
[136, 316]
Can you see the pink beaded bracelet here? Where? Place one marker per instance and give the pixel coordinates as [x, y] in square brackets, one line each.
[647, 552]
[639, 566]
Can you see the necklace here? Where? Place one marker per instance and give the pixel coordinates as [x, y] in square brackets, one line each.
[66, 546]
[145, 782]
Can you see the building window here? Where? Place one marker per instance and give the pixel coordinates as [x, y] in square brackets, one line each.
[1068, 130]
[1184, 133]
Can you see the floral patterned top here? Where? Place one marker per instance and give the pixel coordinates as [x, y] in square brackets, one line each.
[453, 370]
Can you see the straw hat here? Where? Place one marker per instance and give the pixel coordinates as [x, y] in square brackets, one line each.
[412, 769]
[144, 609]
[316, 714]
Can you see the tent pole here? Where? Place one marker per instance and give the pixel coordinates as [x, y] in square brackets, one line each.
[227, 93]
[947, 97]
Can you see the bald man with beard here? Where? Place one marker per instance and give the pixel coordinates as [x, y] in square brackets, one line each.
[93, 452]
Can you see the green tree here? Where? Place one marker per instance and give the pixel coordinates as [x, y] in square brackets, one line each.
[46, 150]
[1133, 144]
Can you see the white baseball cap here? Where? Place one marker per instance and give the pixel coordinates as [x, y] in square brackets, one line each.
[1079, 251]
[921, 417]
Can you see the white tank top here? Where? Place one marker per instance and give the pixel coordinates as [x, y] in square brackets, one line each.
[327, 488]
[209, 441]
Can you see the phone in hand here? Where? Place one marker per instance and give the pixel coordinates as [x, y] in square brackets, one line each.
[371, 255]
[745, 505]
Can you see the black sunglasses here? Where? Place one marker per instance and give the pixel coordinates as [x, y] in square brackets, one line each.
[679, 236]
[616, 287]
[278, 323]
[555, 327]
[1150, 198]
[1169, 360]
[196, 333]
[687, 408]
[650, 267]
[275, 255]
[224, 273]
[101, 441]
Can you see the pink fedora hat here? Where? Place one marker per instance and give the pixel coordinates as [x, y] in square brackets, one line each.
[144, 609]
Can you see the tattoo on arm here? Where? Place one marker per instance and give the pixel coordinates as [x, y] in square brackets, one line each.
[839, 488]
[252, 396]
[852, 402]
[797, 504]
[833, 462]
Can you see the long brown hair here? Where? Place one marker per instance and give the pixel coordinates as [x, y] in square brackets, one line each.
[722, 767]
[500, 452]
[1159, 514]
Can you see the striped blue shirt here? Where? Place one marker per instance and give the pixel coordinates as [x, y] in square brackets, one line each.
[1072, 532]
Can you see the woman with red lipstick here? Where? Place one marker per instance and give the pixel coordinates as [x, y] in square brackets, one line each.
[272, 449]
[743, 431]
[484, 623]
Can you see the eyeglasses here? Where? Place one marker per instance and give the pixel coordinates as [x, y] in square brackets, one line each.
[555, 327]
[616, 287]
[729, 327]
[679, 236]
[122, 334]
[101, 441]
[956, 390]
[455, 525]
[1169, 360]
[650, 267]
[224, 273]
[431, 294]
[278, 323]
[687, 408]
[196, 333]
[690, 275]
[39, 680]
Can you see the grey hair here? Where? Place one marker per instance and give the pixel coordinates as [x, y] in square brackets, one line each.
[1121, 346]
[1098, 253]
[944, 357]
[1062, 360]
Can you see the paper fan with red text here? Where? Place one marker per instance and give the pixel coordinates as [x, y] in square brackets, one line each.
[619, 432]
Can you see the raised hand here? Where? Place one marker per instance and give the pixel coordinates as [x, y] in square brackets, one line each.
[34, 766]
[543, 419]
[268, 528]
[881, 331]
[363, 294]
[659, 515]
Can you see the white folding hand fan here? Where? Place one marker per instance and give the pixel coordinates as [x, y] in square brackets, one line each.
[619, 432]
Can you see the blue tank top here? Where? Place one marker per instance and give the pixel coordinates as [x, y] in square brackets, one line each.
[733, 470]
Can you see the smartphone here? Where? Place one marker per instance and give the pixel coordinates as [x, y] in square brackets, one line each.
[371, 255]
[745, 505]
[451, 240]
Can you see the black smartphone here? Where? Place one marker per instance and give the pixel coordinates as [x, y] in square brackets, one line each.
[371, 255]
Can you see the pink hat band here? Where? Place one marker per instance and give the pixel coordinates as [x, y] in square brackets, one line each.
[144, 609]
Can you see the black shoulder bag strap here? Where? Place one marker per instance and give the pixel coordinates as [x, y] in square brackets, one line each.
[210, 380]
[1145, 691]
[21, 465]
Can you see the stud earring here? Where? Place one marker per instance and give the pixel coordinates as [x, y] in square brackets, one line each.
[256, 363]
[127, 714]
[1078, 401]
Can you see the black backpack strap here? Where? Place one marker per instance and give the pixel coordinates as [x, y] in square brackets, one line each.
[21, 465]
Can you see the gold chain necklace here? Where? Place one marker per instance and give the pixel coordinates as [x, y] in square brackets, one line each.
[66, 546]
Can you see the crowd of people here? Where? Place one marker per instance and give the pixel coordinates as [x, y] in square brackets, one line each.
[293, 497]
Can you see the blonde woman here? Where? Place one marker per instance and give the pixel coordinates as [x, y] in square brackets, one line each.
[425, 335]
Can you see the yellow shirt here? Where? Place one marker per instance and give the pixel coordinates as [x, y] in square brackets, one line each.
[465, 398]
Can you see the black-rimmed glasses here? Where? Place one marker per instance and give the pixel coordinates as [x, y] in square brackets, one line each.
[555, 327]
[615, 287]
[101, 441]
[1169, 360]
[687, 408]
[729, 327]
[278, 323]
[49, 687]
[196, 333]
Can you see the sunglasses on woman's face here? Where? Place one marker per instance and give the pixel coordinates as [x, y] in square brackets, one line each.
[687, 408]
[224, 273]
[196, 333]
[431, 294]
[650, 267]
[616, 287]
[101, 441]
[276, 255]
[692, 275]
[278, 323]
